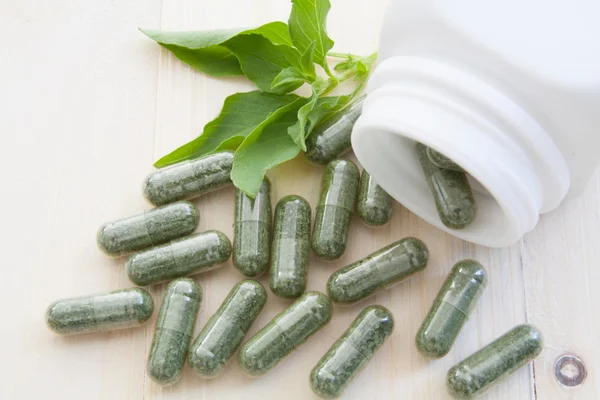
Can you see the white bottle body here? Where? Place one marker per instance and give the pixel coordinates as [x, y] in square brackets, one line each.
[508, 89]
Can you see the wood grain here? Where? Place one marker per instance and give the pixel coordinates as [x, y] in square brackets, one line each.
[88, 103]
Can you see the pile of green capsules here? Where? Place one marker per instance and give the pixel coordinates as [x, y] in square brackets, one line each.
[164, 249]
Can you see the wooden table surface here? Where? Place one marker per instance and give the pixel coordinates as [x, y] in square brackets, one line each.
[88, 103]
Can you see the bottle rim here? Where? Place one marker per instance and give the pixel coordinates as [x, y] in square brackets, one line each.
[407, 103]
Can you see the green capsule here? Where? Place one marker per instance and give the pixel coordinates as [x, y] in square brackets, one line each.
[173, 331]
[189, 255]
[502, 357]
[339, 189]
[377, 271]
[149, 229]
[375, 205]
[100, 312]
[351, 352]
[285, 333]
[451, 308]
[252, 231]
[291, 247]
[440, 160]
[226, 329]
[189, 179]
[452, 193]
[331, 139]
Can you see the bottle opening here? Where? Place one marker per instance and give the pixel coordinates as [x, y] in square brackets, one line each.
[506, 189]
[516, 171]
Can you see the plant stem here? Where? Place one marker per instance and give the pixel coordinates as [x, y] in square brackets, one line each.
[342, 55]
[359, 87]
[328, 71]
[336, 80]
[347, 75]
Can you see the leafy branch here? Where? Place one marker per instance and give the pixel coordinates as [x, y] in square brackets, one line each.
[269, 126]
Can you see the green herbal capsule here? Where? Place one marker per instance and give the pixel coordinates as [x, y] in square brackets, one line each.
[375, 205]
[173, 331]
[451, 308]
[452, 193]
[252, 231]
[339, 188]
[378, 271]
[190, 255]
[440, 160]
[148, 229]
[351, 352]
[285, 333]
[100, 312]
[226, 329]
[291, 247]
[495, 361]
[189, 179]
[331, 139]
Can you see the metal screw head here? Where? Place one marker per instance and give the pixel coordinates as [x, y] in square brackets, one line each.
[570, 370]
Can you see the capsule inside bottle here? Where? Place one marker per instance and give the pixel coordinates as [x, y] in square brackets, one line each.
[374, 206]
[451, 192]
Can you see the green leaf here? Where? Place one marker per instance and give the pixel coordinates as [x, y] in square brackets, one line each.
[204, 50]
[325, 108]
[288, 80]
[361, 68]
[261, 60]
[307, 24]
[298, 131]
[242, 115]
[345, 65]
[259, 153]
[307, 62]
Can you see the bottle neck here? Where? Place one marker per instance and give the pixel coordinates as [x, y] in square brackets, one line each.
[517, 170]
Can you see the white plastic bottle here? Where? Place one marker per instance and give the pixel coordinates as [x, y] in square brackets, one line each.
[509, 89]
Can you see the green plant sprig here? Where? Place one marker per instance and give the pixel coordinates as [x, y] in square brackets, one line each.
[269, 126]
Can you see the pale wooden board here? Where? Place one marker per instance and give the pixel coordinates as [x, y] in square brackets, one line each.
[87, 104]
